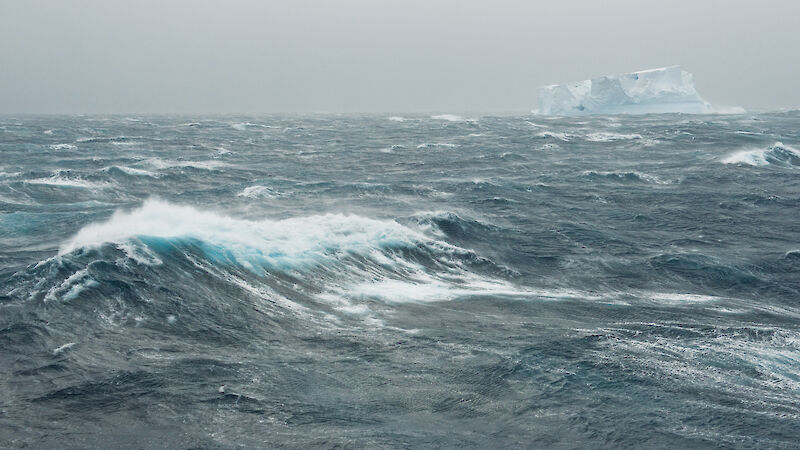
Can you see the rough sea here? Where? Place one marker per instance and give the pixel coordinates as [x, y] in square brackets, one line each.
[328, 281]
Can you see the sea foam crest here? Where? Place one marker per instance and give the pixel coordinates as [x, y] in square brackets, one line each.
[64, 178]
[163, 164]
[348, 258]
[62, 147]
[283, 244]
[258, 191]
[778, 154]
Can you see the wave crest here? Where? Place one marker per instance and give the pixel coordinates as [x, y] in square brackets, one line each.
[777, 154]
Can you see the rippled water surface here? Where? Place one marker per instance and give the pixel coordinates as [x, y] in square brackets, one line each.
[375, 281]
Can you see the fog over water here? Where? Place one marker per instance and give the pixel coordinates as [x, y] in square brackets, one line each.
[367, 56]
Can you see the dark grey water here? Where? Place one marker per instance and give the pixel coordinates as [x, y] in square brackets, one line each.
[324, 281]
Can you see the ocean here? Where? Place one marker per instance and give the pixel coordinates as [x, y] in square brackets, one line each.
[415, 281]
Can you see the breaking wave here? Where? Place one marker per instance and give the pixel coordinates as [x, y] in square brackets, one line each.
[354, 257]
[777, 155]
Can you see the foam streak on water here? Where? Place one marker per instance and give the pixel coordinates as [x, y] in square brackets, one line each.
[400, 281]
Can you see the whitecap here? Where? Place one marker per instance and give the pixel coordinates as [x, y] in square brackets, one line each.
[437, 144]
[72, 287]
[283, 243]
[535, 125]
[132, 171]
[258, 191]
[364, 256]
[751, 157]
[451, 118]
[629, 175]
[244, 126]
[611, 137]
[556, 135]
[62, 147]
[161, 164]
[777, 154]
[63, 348]
[58, 179]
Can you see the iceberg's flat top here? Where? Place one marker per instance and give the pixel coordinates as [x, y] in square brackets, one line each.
[663, 90]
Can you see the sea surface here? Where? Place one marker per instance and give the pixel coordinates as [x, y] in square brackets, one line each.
[328, 281]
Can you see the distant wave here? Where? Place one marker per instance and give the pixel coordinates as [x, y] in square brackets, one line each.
[244, 126]
[118, 140]
[258, 191]
[62, 147]
[437, 144]
[158, 163]
[556, 135]
[452, 118]
[611, 137]
[63, 179]
[777, 154]
[131, 171]
[625, 176]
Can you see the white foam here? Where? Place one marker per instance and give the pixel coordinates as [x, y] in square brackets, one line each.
[161, 164]
[62, 147]
[671, 298]
[611, 137]
[535, 125]
[71, 288]
[397, 119]
[245, 125]
[422, 287]
[751, 157]
[133, 171]
[622, 175]
[58, 179]
[437, 144]
[451, 118]
[258, 191]
[287, 243]
[551, 134]
[139, 253]
[63, 348]
[758, 156]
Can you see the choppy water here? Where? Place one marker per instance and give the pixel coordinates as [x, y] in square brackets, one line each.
[323, 281]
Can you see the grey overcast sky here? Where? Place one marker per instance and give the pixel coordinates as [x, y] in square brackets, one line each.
[200, 56]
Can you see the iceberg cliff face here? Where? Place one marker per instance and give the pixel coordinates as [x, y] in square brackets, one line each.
[664, 90]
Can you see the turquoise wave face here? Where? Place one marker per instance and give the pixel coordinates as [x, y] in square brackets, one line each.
[400, 281]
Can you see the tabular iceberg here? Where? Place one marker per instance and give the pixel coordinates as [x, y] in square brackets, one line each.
[665, 90]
